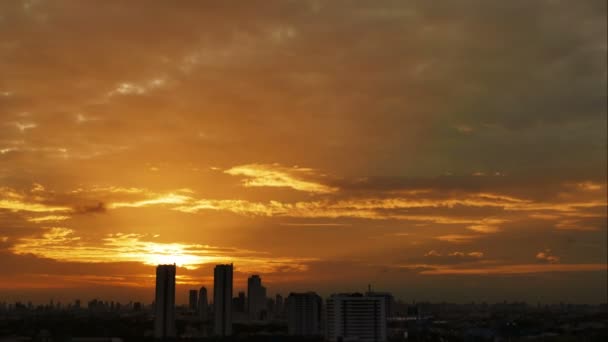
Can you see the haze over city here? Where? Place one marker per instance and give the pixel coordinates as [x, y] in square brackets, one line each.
[442, 151]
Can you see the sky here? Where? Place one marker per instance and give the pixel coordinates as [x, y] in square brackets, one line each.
[442, 151]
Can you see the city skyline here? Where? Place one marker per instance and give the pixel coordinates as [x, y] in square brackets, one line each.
[439, 151]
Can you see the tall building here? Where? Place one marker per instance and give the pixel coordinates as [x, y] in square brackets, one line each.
[164, 322]
[222, 299]
[388, 300]
[203, 305]
[304, 314]
[193, 300]
[239, 302]
[278, 305]
[256, 298]
[356, 317]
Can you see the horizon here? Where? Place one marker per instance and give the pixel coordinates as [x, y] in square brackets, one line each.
[451, 152]
[182, 292]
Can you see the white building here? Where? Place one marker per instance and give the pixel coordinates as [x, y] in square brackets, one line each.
[304, 314]
[164, 320]
[354, 317]
[222, 299]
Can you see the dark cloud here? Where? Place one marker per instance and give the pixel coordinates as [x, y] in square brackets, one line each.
[100, 207]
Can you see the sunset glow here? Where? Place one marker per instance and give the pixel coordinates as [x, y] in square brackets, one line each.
[427, 148]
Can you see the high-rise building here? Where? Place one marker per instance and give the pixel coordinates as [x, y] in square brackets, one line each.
[388, 300]
[238, 302]
[222, 299]
[203, 305]
[193, 300]
[164, 323]
[304, 314]
[256, 298]
[356, 317]
[278, 305]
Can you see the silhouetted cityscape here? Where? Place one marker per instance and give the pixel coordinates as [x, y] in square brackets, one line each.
[370, 316]
[303, 170]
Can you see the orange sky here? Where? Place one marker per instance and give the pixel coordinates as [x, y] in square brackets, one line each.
[448, 152]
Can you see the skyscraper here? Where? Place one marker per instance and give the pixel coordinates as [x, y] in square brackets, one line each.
[256, 298]
[304, 314]
[192, 300]
[164, 323]
[202, 303]
[356, 317]
[278, 305]
[222, 299]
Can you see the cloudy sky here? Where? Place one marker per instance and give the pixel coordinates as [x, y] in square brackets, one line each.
[439, 150]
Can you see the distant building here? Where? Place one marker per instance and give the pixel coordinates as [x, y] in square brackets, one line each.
[222, 299]
[203, 304]
[304, 314]
[356, 317]
[164, 323]
[193, 300]
[269, 308]
[256, 298]
[238, 303]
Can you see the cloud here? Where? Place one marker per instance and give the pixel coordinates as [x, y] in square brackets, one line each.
[432, 253]
[22, 127]
[128, 88]
[62, 244]
[275, 175]
[475, 254]
[17, 205]
[481, 212]
[457, 238]
[89, 209]
[547, 256]
[590, 186]
[465, 129]
[48, 218]
[436, 258]
[315, 224]
[113, 189]
[483, 228]
[517, 269]
[167, 199]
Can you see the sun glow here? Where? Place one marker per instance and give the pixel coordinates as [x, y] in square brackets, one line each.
[62, 244]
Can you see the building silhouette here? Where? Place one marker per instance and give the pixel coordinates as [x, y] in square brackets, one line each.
[222, 299]
[239, 302]
[256, 298]
[356, 317]
[304, 314]
[203, 303]
[388, 300]
[164, 321]
[278, 305]
[192, 300]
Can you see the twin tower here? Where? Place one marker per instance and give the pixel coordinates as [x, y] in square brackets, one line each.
[164, 324]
